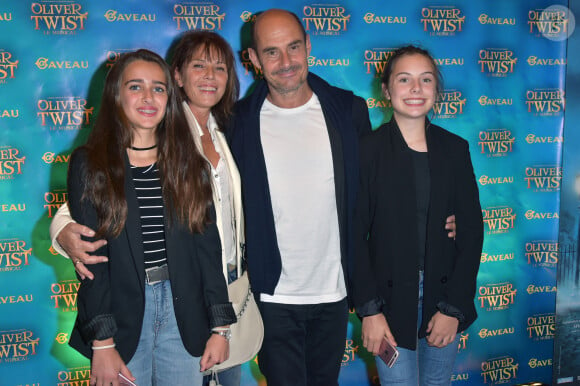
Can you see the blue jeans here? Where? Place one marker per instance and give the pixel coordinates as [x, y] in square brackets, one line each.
[161, 359]
[425, 366]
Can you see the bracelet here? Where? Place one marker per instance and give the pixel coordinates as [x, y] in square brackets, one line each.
[220, 329]
[103, 347]
[224, 332]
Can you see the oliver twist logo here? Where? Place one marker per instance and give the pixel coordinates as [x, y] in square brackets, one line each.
[205, 16]
[541, 327]
[554, 23]
[463, 339]
[14, 255]
[498, 219]
[450, 103]
[53, 201]
[499, 370]
[249, 66]
[325, 19]
[76, 376]
[543, 178]
[442, 20]
[349, 352]
[545, 101]
[50, 64]
[113, 15]
[498, 257]
[57, 17]
[371, 18]
[17, 345]
[64, 113]
[495, 297]
[8, 66]
[542, 253]
[496, 142]
[375, 60]
[497, 62]
[11, 162]
[64, 294]
[113, 55]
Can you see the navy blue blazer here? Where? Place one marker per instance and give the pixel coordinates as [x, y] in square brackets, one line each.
[386, 234]
[347, 118]
[113, 303]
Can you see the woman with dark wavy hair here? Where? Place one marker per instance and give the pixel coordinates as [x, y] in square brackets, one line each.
[150, 310]
[205, 72]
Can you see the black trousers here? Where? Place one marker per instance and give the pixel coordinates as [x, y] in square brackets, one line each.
[303, 344]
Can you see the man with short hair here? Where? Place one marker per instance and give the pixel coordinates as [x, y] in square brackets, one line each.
[295, 139]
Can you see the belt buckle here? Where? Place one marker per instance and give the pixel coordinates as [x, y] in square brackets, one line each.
[156, 275]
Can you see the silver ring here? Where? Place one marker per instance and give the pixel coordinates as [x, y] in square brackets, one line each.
[78, 261]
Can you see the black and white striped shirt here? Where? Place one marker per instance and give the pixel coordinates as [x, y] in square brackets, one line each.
[148, 189]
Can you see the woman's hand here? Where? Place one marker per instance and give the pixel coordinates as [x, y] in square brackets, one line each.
[70, 239]
[217, 350]
[441, 330]
[106, 366]
[374, 329]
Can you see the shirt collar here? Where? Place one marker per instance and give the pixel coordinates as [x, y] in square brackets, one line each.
[194, 124]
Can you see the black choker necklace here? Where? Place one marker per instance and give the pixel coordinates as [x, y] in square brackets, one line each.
[143, 148]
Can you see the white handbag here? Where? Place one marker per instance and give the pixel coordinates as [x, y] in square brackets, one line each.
[248, 332]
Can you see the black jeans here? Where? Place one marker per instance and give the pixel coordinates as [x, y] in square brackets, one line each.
[303, 344]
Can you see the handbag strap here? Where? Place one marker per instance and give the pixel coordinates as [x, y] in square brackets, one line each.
[245, 304]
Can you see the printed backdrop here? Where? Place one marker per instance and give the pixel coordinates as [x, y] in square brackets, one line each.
[504, 67]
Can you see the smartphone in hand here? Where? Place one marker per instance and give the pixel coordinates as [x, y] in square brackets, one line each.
[124, 381]
[388, 353]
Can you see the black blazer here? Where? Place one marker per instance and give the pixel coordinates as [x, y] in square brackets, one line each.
[387, 261]
[116, 295]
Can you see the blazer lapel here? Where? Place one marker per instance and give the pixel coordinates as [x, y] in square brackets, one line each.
[133, 224]
[236, 190]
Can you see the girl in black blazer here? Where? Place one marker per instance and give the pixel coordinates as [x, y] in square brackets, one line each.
[160, 301]
[413, 286]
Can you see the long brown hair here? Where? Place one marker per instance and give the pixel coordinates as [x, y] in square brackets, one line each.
[184, 175]
[212, 44]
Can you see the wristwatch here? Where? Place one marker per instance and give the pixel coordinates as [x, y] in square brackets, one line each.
[225, 333]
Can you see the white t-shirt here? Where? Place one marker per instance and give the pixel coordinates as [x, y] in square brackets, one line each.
[301, 180]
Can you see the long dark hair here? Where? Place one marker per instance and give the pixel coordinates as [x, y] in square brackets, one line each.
[185, 185]
[212, 44]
